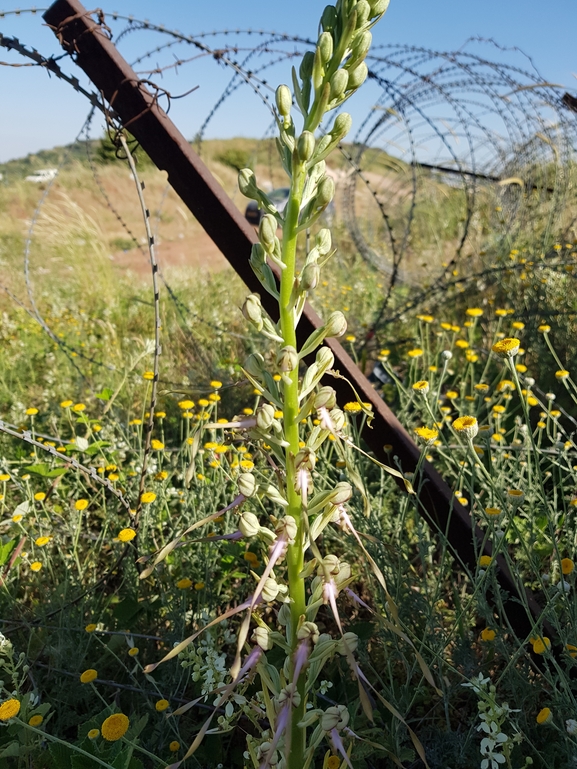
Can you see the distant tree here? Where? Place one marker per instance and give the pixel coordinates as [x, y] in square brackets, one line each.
[108, 152]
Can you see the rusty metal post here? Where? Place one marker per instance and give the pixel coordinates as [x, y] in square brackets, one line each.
[94, 52]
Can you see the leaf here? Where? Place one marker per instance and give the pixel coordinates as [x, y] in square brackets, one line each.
[12, 749]
[95, 447]
[79, 761]
[5, 551]
[106, 394]
[61, 755]
[126, 610]
[45, 472]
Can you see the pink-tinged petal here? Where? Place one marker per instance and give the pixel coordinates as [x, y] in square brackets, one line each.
[330, 593]
[235, 535]
[282, 720]
[337, 742]
[301, 656]
[325, 420]
[356, 599]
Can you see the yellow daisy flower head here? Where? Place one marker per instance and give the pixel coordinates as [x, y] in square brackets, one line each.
[186, 405]
[203, 402]
[184, 583]
[474, 312]
[544, 328]
[148, 375]
[41, 541]
[88, 676]
[462, 343]
[515, 497]
[467, 426]
[35, 566]
[500, 312]
[91, 627]
[133, 651]
[66, 404]
[567, 565]
[544, 716]
[426, 318]
[487, 634]
[156, 444]
[426, 434]
[161, 705]
[562, 374]
[81, 504]
[174, 746]
[415, 353]
[452, 394]
[36, 720]
[31, 412]
[422, 386]
[507, 348]
[333, 762]
[93, 734]
[484, 561]
[40, 496]
[199, 585]
[9, 709]
[482, 387]
[571, 650]
[518, 325]
[78, 407]
[216, 384]
[115, 727]
[148, 497]
[126, 535]
[353, 407]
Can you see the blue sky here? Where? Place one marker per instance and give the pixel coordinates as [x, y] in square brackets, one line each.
[39, 113]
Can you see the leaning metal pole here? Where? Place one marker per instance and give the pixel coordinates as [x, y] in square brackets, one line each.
[137, 108]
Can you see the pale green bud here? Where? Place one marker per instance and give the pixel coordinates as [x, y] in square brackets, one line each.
[336, 325]
[310, 277]
[247, 484]
[325, 47]
[378, 7]
[284, 100]
[339, 83]
[270, 590]
[289, 526]
[287, 359]
[341, 493]
[325, 398]
[306, 146]
[349, 642]
[267, 232]
[264, 416]
[289, 693]
[325, 192]
[306, 67]
[363, 13]
[324, 358]
[305, 458]
[330, 564]
[358, 76]
[338, 418]
[361, 46]
[342, 126]
[249, 525]
[323, 241]
[254, 364]
[343, 574]
[247, 183]
[308, 631]
[335, 717]
[261, 636]
[252, 310]
[329, 17]
[324, 143]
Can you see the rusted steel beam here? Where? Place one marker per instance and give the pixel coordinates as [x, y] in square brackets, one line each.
[137, 107]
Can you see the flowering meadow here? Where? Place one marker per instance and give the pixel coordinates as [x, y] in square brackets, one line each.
[201, 562]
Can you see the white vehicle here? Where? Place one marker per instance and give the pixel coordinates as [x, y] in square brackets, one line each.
[43, 175]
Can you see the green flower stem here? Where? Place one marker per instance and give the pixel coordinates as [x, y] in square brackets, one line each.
[295, 554]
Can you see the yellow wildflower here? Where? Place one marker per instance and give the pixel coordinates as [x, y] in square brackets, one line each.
[162, 705]
[125, 535]
[36, 720]
[488, 635]
[184, 584]
[149, 375]
[544, 716]
[148, 497]
[9, 709]
[567, 565]
[88, 676]
[507, 348]
[114, 727]
[35, 566]
[474, 312]
[466, 425]
[416, 353]
[484, 561]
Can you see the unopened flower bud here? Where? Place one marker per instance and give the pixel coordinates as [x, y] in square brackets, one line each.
[325, 46]
[305, 458]
[249, 524]
[261, 636]
[330, 564]
[264, 416]
[358, 76]
[446, 355]
[325, 192]
[335, 717]
[329, 17]
[325, 398]
[336, 325]
[348, 642]
[284, 100]
[247, 183]
[308, 631]
[339, 82]
[287, 359]
[252, 310]
[270, 590]
[310, 277]
[341, 493]
[254, 364]
[306, 146]
[247, 484]
[342, 125]
[306, 67]
[267, 232]
[324, 358]
[338, 419]
[323, 240]
[378, 7]
[288, 526]
[363, 10]
[361, 46]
